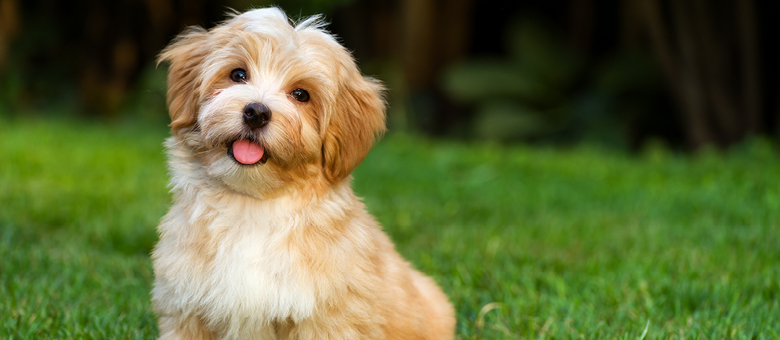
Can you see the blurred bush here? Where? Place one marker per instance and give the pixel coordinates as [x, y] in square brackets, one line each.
[543, 90]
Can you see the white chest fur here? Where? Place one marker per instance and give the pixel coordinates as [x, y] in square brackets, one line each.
[230, 262]
[255, 274]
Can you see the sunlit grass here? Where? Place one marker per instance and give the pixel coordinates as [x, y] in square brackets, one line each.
[527, 242]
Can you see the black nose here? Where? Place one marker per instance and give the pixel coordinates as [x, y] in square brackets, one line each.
[256, 115]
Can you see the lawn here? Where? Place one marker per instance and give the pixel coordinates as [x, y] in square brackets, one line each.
[529, 243]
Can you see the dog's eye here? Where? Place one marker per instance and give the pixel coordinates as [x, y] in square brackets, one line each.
[238, 75]
[300, 95]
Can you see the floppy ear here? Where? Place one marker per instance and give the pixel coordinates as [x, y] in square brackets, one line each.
[357, 120]
[184, 55]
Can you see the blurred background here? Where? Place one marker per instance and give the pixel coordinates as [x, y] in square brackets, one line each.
[564, 168]
[683, 74]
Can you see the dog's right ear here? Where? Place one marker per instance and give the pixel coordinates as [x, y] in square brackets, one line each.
[184, 56]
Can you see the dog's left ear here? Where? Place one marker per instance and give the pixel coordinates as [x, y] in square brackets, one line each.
[358, 118]
[185, 56]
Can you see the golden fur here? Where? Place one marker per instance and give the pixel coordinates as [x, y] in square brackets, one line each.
[283, 249]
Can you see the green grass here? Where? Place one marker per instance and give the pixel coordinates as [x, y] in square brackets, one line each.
[529, 243]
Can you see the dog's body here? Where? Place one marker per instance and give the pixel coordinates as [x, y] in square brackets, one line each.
[265, 239]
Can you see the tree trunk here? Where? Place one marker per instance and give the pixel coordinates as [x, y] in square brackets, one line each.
[751, 67]
[714, 75]
[435, 34]
[9, 26]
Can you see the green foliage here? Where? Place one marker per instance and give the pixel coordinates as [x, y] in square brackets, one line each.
[528, 243]
[520, 96]
[543, 89]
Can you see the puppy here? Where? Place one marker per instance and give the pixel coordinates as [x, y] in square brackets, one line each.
[265, 238]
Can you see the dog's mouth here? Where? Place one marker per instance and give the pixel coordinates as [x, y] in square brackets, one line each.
[247, 152]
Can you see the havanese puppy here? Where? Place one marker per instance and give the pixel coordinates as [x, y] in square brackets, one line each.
[265, 238]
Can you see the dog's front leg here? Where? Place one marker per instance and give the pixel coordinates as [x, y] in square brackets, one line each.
[349, 321]
[189, 328]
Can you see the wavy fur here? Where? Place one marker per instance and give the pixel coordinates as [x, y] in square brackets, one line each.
[283, 249]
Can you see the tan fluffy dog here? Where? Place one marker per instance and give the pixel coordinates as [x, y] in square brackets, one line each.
[265, 238]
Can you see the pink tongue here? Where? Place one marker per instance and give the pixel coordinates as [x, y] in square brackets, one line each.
[247, 152]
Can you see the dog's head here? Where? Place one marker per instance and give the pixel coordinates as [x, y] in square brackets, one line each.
[260, 103]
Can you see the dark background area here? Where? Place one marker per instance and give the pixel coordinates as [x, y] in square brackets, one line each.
[685, 74]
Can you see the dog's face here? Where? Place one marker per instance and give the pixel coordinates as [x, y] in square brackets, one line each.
[261, 104]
